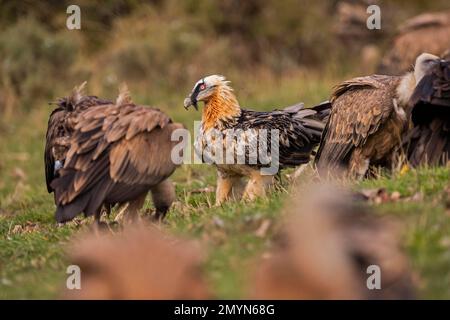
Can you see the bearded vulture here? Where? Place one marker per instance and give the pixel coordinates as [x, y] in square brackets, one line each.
[428, 32]
[117, 153]
[240, 132]
[60, 128]
[368, 118]
[429, 140]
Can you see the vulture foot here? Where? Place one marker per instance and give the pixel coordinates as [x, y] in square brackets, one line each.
[257, 186]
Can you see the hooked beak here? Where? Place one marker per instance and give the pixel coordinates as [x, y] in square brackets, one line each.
[188, 102]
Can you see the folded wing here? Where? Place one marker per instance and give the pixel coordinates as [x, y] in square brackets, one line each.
[117, 153]
[429, 140]
[360, 107]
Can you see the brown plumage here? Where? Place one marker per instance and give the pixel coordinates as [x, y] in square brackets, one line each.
[138, 263]
[327, 243]
[428, 32]
[368, 117]
[428, 142]
[299, 131]
[60, 128]
[118, 152]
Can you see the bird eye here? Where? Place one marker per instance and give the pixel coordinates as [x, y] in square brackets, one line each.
[202, 87]
[430, 61]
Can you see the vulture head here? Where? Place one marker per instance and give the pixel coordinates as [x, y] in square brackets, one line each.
[207, 89]
[424, 63]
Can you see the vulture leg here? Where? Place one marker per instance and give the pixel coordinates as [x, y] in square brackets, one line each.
[163, 195]
[359, 164]
[132, 212]
[99, 225]
[225, 184]
[257, 185]
[238, 188]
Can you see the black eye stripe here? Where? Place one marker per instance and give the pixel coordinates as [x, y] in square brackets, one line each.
[197, 88]
[196, 91]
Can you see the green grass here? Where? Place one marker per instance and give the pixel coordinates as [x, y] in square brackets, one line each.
[426, 222]
[33, 260]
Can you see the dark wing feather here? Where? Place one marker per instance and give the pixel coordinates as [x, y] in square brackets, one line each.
[360, 107]
[116, 153]
[299, 130]
[429, 140]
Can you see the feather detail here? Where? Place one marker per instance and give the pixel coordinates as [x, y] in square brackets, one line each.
[406, 88]
[124, 97]
[363, 126]
[61, 124]
[77, 93]
[221, 107]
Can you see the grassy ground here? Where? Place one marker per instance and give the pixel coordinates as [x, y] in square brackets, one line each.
[32, 248]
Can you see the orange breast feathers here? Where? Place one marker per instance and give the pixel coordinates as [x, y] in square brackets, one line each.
[221, 106]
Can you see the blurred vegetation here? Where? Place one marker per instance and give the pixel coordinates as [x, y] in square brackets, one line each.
[31, 55]
[160, 46]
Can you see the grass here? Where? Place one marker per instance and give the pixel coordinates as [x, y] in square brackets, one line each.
[426, 224]
[32, 248]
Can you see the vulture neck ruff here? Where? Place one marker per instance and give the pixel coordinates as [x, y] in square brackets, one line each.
[406, 88]
[221, 107]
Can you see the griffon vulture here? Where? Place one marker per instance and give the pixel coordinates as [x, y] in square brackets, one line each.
[368, 118]
[60, 128]
[428, 142]
[241, 132]
[428, 32]
[117, 153]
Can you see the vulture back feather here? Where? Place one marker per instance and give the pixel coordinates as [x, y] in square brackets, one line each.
[299, 128]
[361, 112]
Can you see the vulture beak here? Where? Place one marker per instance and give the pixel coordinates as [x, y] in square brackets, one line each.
[189, 102]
